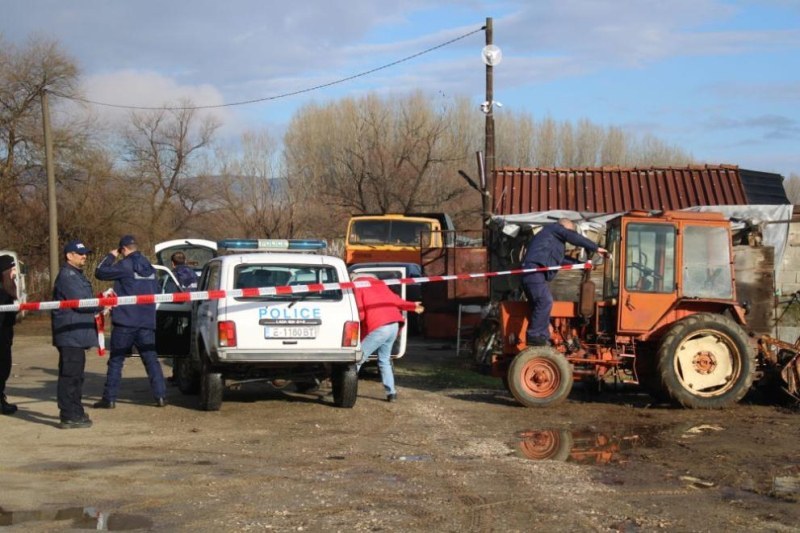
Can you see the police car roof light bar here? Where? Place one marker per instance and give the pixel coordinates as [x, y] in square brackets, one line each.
[272, 245]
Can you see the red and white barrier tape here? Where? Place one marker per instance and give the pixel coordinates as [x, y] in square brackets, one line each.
[180, 297]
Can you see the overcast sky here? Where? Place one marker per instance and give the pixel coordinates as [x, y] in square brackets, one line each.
[718, 78]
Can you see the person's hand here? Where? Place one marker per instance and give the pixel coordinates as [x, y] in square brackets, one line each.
[420, 308]
[115, 252]
[603, 252]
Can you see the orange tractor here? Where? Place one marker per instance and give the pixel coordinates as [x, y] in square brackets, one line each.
[667, 319]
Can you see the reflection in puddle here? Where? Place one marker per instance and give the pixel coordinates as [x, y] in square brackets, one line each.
[581, 446]
[79, 517]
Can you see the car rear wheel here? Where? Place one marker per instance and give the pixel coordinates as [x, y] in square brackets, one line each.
[211, 386]
[344, 382]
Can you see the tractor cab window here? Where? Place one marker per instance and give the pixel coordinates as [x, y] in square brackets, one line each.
[650, 258]
[707, 263]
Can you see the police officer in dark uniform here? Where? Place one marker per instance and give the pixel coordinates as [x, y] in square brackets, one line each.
[547, 249]
[185, 274]
[8, 294]
[74, 331]
[134, 325]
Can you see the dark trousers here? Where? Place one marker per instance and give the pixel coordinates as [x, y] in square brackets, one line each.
[71, 366]
[123, 339]
[540, 301]
[5, 364]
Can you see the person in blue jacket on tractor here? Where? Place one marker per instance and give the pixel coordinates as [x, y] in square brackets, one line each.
[547, 249]
[134, 325]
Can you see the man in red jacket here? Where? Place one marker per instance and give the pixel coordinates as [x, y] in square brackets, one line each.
[379, 311]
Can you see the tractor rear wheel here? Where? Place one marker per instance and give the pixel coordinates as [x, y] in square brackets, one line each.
[704, 362]
[539, 376]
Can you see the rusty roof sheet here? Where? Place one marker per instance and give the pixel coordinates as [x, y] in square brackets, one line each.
[616, 189]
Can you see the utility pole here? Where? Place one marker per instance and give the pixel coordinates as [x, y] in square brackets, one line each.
[52, 210]
[489, 133]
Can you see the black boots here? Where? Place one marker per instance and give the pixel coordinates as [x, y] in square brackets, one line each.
[104, 404]
[7, 408]
[536, 340]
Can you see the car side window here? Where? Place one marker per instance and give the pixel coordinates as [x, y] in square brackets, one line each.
[210, 279]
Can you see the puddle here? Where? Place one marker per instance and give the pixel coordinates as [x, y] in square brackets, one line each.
[583, 446]
[78, 518]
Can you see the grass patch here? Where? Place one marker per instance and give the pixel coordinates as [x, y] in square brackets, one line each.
[447, 376]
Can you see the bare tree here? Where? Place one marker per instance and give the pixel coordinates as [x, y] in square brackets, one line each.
[792, 187]
[584, 144]
[375, 155]
[24, 75]
[252, 199]
[159, 149]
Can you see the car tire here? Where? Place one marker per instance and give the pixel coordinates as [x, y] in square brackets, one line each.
[344, 382]
[211, 387]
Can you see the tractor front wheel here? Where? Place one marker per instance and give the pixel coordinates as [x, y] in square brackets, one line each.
[704, 362]
[539, 376]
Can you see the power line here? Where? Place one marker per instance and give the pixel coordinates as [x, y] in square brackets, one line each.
[279, 96]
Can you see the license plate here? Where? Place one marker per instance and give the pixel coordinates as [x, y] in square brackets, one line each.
[290, 332]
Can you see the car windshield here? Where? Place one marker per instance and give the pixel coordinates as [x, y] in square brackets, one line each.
[248, 276]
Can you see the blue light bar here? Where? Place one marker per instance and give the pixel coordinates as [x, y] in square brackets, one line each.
[255, 245]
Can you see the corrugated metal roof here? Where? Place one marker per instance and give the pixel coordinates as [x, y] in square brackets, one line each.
[615, 189]
[763, 188]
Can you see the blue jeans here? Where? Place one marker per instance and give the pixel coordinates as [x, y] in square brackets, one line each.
[540, 301]
[380, 341]
[123, 339]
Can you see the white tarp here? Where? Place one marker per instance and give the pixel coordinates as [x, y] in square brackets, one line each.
[772, 219]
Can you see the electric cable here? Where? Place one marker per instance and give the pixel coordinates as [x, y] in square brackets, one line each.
[275, 97]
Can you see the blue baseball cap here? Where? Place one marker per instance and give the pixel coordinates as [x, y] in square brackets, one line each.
[126, 240]
[77, 246]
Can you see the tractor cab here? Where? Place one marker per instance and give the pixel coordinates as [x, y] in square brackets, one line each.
[663, 267]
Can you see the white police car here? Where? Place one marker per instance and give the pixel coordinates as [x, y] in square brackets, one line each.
[304, 337]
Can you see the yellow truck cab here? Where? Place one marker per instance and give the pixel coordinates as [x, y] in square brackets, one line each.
[390, 238]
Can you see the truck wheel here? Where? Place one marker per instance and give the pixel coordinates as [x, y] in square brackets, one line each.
[539, 376]
[704, 362]
[211, 386]
[344, 382]
[186, 377]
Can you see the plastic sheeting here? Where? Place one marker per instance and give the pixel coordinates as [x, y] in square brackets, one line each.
[772, 219]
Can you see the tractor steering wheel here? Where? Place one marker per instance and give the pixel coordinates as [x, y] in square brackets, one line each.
[646, 271]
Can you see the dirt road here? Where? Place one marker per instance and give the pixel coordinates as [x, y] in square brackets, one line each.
[455, 453]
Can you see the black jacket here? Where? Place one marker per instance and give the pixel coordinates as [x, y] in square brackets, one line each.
[74, 328]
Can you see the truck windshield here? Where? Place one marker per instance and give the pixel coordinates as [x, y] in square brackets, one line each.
[249, 276]
[390, 232]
